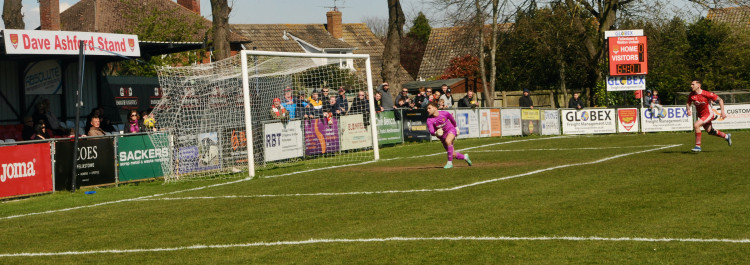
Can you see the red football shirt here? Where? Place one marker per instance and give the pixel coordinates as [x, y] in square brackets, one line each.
[702, 102]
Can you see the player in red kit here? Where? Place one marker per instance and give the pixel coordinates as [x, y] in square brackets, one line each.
[702, 100]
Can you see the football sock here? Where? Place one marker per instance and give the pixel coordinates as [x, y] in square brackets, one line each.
[721, 134]
[698, 139]
[450, 152]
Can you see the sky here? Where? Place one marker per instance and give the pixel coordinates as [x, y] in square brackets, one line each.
[296, 11]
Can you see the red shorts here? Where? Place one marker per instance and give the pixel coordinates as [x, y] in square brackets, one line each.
[708, 118]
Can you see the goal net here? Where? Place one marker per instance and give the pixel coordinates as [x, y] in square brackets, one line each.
[260, 110]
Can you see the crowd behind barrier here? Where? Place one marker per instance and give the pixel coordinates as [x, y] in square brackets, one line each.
[43, 166]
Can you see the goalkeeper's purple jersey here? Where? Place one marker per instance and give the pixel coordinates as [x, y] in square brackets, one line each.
[445, 121]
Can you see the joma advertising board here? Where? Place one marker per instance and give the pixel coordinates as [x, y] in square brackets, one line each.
[25, 169]
[588, 121]
[673, 119]
[66, 43]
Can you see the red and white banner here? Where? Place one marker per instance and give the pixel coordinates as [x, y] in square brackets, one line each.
[627, 120]
[66, 43]
[25, 169]
[628, 56]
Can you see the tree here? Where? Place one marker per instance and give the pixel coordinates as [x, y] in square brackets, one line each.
[392, 54]
[220, 11]
[413, 45]
[605, 14]
[462, 66]
[378, 26]
[12, 16]
[156, 24]
[421, 28]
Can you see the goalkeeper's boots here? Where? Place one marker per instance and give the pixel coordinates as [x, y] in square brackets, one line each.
[468, 160]
[729, 139]
[448, 165]
[696, 149]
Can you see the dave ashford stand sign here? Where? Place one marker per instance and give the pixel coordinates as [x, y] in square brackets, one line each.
[96, 163]
[66, 43]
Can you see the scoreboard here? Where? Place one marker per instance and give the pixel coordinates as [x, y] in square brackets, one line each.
[628, 56]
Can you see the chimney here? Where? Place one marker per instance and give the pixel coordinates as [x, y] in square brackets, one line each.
[192, 5]
[49, 14]
[334, 24]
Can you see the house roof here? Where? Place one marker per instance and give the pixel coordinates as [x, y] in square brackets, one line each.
[290, 37]
[123, 16]
[445, 44]
[735, 16]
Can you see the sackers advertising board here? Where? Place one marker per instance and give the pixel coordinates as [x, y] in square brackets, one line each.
[25, 169]
[66, 43]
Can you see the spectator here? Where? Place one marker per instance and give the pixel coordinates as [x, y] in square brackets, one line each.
[278, 112]
[148, 121]
[288, 103]
[447, 97]
[39, 114]
[575, 102]
[525, 101]
[405, 96]
[420, 100]
[401, 104]
[94, 113]
[655, 103]
[105, 124]
[436, 96]
[342, 104]
[40, 132]
[316, 106]
[303, 106]
[386, 97]
[647, 99]
[95, 130]
[469, 101]
[359, 104]
[378, 100]
[53, 124]
[324, 97]
[441, 104]
[334, 111]
[28, 128]
[134, 123]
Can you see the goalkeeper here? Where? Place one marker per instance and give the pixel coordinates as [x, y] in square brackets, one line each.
[443, 126]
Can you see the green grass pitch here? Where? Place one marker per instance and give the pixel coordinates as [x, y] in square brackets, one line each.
[633, 199]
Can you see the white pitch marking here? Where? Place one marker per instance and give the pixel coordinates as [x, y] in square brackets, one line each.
[568, 149]
[386, 239]
[411, 191]
[241, 180]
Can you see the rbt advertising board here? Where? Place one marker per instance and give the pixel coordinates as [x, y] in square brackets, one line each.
[588, 121]
[283, 140]
[671, 119]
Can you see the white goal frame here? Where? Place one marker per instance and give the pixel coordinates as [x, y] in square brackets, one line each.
[246, 95]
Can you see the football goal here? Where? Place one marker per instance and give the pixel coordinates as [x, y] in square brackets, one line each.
[259, 110]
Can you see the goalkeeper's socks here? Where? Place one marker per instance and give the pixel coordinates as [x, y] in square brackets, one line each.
[450, 153]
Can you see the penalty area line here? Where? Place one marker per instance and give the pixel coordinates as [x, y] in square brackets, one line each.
[415, 190]
[386, 239]
[149, 197]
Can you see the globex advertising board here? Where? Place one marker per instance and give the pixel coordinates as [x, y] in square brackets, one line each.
[588, 121]
[672, 119]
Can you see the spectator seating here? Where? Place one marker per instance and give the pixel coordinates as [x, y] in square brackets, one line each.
[11, 131]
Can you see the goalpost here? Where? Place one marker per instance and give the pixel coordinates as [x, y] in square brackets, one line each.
[216, 120]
